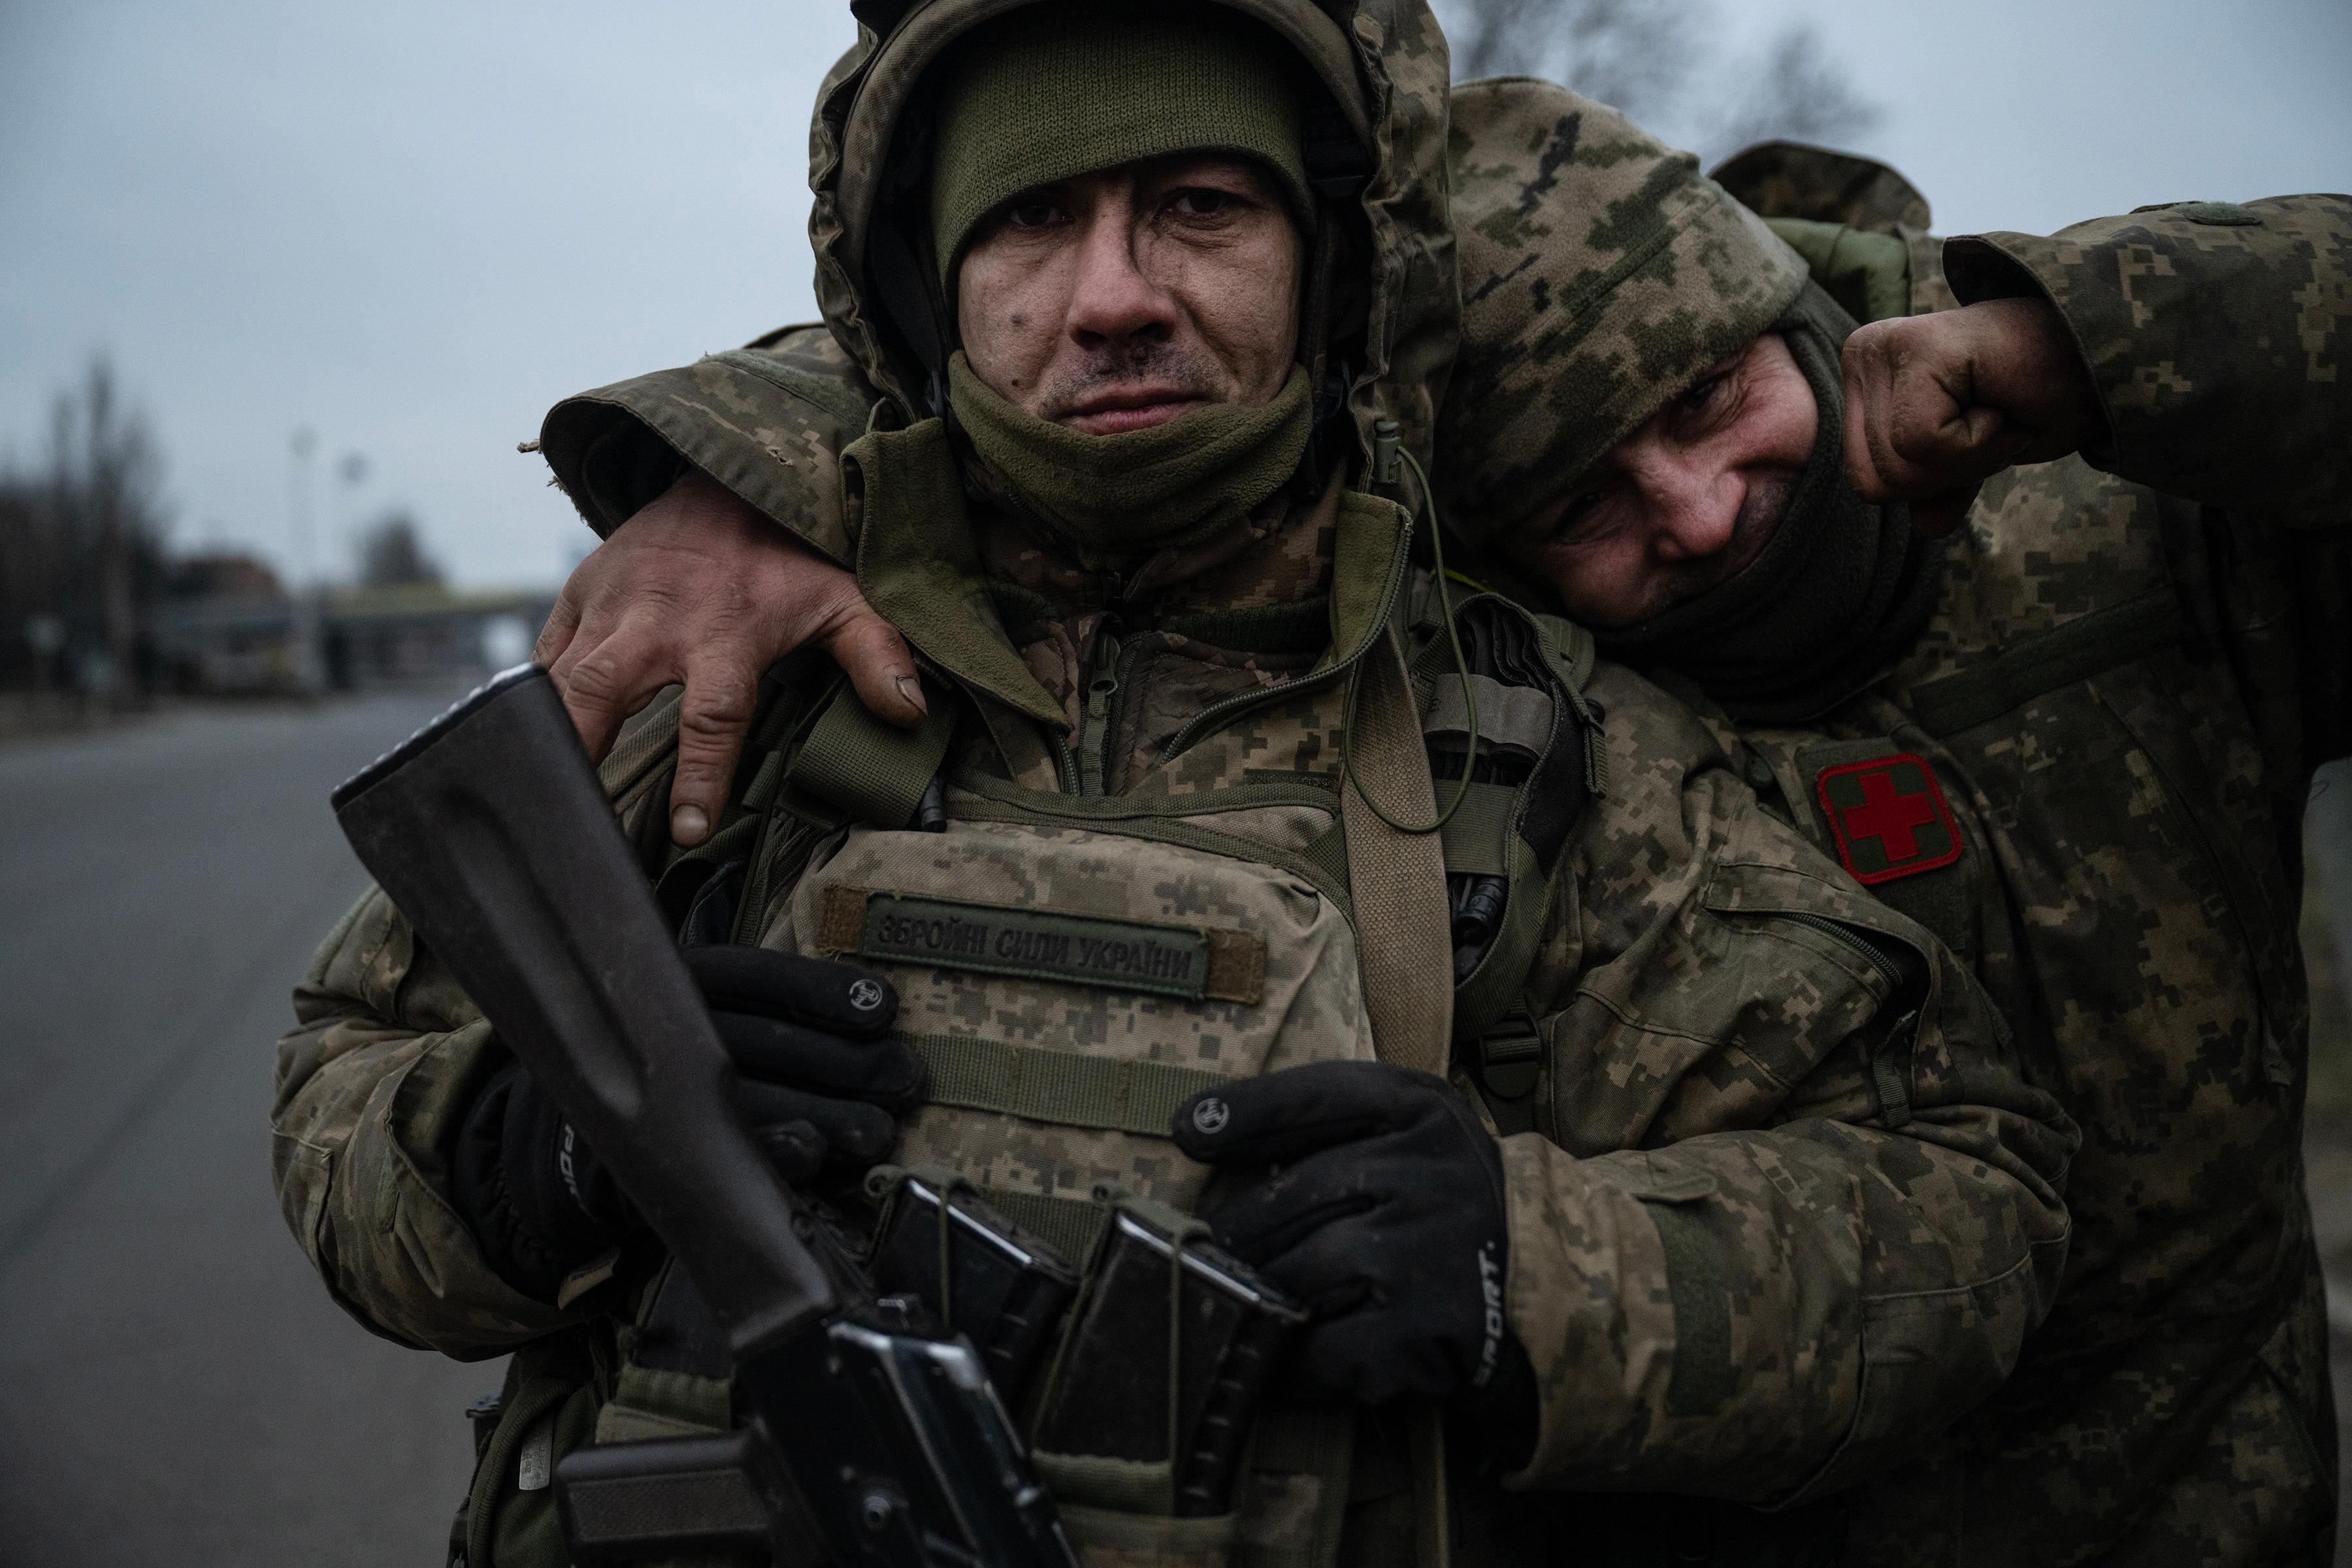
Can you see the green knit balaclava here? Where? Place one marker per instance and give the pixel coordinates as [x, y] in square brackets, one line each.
[1601, 277]
[1059, 89]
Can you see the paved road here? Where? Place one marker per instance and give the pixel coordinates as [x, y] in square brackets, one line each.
[174, 1387]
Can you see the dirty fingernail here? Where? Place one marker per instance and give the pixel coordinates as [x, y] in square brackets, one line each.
[689, 825]
[911, 689]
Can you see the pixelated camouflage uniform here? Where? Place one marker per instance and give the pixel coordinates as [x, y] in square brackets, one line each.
[1772, 1223]
[2136, 660]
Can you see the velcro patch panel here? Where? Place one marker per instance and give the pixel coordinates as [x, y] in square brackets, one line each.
[1191, 962]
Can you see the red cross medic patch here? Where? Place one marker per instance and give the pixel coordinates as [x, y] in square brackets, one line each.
[1888, 817]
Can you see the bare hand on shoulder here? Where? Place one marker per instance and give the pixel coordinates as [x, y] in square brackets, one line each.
[1936, 404]
[699, 588]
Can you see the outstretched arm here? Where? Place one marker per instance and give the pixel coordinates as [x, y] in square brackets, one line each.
[716, 487]
[2199, 348]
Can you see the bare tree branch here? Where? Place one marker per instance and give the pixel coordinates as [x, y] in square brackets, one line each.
[1640, 57]
[1655, 61]
[85, 538]
[1496, 37]
[1636, 56]
[1801, 94]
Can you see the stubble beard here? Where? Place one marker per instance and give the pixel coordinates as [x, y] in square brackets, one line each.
[1761, 515]
[1186, 372]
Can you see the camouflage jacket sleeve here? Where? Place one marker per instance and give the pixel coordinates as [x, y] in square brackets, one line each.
[372, 1084]
[1783, 1231]
[2219, 336]
[768, 421]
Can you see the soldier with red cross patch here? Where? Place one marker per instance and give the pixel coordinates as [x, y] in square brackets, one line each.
[1713, 1175]
[2026, 598]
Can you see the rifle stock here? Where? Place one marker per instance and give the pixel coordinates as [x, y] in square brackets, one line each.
[490, 832]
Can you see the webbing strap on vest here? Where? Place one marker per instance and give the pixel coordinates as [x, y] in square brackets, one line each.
[1515, 718]
[874, 772]
[1060, 1087]
[1397, 880]
[1476, 835]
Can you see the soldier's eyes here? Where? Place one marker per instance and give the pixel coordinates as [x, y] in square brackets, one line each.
[1708, 404]
[1030, 212]
[1581, 516]
[1202, 201]
[1696, 399]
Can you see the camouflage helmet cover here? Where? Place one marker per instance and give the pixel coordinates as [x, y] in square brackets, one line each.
[1600, 275]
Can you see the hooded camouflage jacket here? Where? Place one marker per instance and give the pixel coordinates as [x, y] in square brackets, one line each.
[2087, 773]
[1772, 1223]
[2137, 657]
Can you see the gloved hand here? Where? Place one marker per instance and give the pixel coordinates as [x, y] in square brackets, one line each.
[819, 1078]
[1376, 1197]
[818, 1082]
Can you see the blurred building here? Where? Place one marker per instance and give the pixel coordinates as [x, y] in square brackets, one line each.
[228, 627]
[421, 633]
[225, 625]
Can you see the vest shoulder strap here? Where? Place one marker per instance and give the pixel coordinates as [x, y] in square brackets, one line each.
[1396, 879]
[865, 770]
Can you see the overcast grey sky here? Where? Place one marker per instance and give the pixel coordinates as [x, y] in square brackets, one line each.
[413, 227]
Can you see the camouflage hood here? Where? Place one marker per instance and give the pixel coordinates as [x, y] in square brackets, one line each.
[1601, 274]
[1393, 312]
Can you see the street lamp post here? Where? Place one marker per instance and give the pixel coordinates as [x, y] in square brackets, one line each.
[353, 470]
[299, 495]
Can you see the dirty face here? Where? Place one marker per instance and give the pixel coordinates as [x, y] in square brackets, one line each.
[1685, 502]
[1121, 299]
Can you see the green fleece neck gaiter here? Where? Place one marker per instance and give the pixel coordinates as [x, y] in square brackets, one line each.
[1129, 494]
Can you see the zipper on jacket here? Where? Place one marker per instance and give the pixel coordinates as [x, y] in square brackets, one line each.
[1888, 1055]
[1219, 711]
[1854, 942]
[1097, 729]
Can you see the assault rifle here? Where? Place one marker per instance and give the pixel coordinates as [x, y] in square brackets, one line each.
[876, 1440]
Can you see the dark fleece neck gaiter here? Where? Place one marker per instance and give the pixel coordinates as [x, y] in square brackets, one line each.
[1842, 588]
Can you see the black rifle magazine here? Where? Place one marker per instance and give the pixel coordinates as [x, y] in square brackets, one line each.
[1003, 1290]
[1112, 1388]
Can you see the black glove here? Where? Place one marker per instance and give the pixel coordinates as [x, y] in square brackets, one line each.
[818, 1077]
[1376, 1197]
[536, 1197]
[817, 1083]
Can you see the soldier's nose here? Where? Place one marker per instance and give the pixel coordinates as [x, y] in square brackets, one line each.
[1112, 302]
[1696, 517]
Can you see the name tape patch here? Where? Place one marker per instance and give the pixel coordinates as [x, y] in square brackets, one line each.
[1190, 962]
